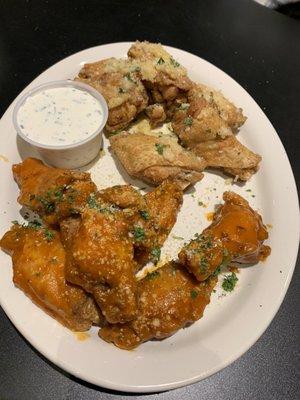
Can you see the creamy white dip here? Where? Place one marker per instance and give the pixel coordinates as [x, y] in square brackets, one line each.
[60, 116]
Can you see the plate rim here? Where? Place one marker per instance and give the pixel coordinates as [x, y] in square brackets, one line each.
[172, 384]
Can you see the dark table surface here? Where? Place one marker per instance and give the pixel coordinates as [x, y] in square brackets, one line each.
[256, 46]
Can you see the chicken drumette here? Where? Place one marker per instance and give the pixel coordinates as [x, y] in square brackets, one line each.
[39, 271]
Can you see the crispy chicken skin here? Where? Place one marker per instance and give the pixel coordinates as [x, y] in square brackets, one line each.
[163, 76]
[100, 259]
[236, 234]
[232, 115]
[154, 159]
[119, 83]
[52, 192]
[156, 114]
[38, 270]
[169, 299]
[201, 128]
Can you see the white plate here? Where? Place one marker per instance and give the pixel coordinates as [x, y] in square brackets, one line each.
[231, 324]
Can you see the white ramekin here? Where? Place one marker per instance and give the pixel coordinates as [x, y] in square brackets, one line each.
[73, 155]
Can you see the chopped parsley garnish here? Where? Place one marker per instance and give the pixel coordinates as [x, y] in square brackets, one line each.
[204, 241]
[115, 132]
[194, 293]
[34, 224]
[229, 282]
[155, 254]
[200, 203]
[49, 235]
[203, 265]
[160, 148]
[15, 222]
[152, 275]
[184, 106]
[248, 190]
[139, 233]
[174, 62]
[144, 214]
[93, 203]
[225, 261]
[129, 77]
[188, 121]
[48, 205]
[121, 90]
[160, 61]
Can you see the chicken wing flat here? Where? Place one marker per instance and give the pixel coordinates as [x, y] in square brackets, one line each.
[119, 83]
[169, 299]
[100, 259]
[38, 270]
[232, 115]
[154, 159]
[52, 192]
[153, 223]
[201, 128]
[163, 76]
[236, 234]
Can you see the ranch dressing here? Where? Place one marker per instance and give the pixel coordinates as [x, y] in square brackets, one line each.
[60, 116]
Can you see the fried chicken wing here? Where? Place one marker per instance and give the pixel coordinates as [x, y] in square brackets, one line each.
[232, 115]
[53, 193]
[205, 124]
[169, 299]
[236, 234]
[154, 159]
[100, 259]
[156, 114]
[38, 270]
[163, 76]
[119, 83]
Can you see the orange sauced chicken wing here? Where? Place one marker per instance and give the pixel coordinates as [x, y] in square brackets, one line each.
[169, 299]
[100, 259]
[38, 270]
[53, 193]
[236, 234]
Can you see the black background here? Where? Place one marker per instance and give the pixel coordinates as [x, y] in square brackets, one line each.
[260, 49]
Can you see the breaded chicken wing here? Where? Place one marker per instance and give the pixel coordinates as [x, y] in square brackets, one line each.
[100, 259]
[53, 193]
[119, 83]
[154, 159]
[38, 270]
[201, 128]
[163, 76]
[236, 234]
[169, 299]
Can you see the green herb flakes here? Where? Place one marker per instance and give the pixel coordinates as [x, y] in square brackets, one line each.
[194, 293]
[139, 234]
[188, 121]
[152, 275]
[121, 90]
[184, 106]
[48, 235]
[144, 214]
[229, 282]
[160, 148]
[155, 254]
[160, 61]
[174, 62]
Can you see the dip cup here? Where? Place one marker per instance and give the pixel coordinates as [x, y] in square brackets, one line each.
[73, 155]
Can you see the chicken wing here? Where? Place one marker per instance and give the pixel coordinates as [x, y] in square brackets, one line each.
[100, 259]
[52, 192]
[119, 83]
[236, 234]
[201, 128]
[154, 159]
[169, 299]
[163, 76]
[38, 270]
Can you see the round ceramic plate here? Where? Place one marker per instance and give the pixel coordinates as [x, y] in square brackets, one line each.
[232, 322]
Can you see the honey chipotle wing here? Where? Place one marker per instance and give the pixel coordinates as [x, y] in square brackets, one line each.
[38, 270]
[237, 234]
[100, 259]
[53, 193]
[169, 299]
